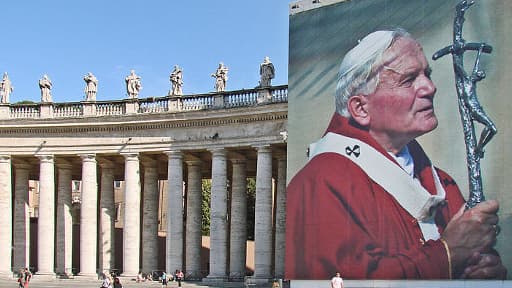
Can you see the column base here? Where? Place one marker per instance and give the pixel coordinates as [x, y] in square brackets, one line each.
[66, 275]
[8, 274]
[46, 275]
[129, 274]
[194, 275]
[254, 281]
[127, 279]
[236, 277]
[87, 276]
[214, 279]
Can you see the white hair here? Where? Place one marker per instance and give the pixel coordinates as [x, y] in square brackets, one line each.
[359, 70]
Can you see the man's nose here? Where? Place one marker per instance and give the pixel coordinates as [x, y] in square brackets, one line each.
[426, 87]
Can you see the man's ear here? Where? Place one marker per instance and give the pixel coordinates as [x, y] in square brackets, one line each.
[358, 109]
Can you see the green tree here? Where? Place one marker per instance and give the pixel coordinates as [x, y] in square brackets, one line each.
[206, 200]
[25, 102]
[251, 207]
[206, 188]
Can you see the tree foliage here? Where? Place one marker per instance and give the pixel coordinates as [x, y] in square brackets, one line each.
[25, 102]
[206, 189]
[251, 207]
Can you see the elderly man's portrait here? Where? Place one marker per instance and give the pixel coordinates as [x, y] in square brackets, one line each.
[378, 182]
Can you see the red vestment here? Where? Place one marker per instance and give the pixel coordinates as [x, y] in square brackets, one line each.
[338, 219]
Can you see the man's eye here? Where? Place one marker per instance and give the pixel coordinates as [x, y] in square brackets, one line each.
[407, 82]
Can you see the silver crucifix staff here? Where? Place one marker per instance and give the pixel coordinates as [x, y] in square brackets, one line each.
[469, 106]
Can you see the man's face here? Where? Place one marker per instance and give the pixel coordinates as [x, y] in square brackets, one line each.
[401, 108]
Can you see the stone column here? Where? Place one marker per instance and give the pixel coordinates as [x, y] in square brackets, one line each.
[131, 230]
[150, 217]
[45, 223]
[88, 216]
[21, 224]
[280, 217]
[107, 217]
[194, 219]
[175, 212]
[6, 219]
[238, 239]
[64, 225]
[263, 216]
[218, 217]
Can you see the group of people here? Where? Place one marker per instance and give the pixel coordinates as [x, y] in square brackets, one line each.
[178, 277]
[143, 277]
[24, 277]
[111, 281]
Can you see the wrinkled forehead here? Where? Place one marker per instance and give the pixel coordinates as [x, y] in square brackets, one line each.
[402, 52]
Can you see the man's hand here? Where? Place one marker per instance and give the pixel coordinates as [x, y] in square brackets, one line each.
[486, 266]
[471, 231]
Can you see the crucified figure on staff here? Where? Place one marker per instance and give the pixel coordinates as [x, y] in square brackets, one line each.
[471, 101]
[469, 106]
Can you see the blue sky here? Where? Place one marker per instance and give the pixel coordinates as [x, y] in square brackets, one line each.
[66, 39]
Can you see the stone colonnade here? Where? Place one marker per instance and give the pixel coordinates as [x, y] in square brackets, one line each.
[141, 201]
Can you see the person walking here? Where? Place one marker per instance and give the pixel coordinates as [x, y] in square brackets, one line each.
[337, 281]
[164, 279]
[179, 277]
[21, 279]
[27, 276]
[107, 281]
[117, 283]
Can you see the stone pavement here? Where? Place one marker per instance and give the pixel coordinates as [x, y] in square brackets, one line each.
[78, 283]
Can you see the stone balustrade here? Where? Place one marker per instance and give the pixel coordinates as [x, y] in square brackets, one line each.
[216, 100]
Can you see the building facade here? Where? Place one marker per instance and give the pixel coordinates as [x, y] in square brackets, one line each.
[78, 153]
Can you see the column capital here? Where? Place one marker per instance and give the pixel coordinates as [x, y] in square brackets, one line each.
[236, 157]
[46, 158]
[239, 161]
[65, 166]
[5, 158]
[18, 164]
[188, 157]
[193, 162]
[88, 157]
[131, 156]
[148, 162]
[105, 163]
[174, 154]
[280, 154]
[263, 148]
[220, 151]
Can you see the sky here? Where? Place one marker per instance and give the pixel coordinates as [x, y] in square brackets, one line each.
[66, 39]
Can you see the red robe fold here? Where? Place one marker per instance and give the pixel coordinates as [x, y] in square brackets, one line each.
[338, 219]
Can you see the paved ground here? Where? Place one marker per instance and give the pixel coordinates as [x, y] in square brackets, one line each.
[78, 283]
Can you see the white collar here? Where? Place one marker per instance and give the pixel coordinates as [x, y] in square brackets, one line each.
[405, 160]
